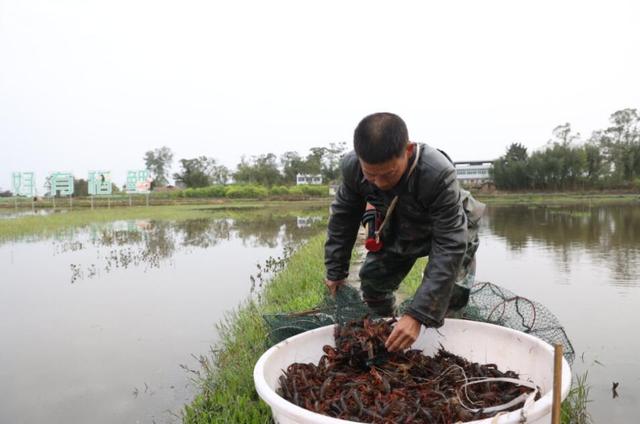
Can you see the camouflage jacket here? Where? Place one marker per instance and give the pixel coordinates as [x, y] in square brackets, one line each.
[428, 220]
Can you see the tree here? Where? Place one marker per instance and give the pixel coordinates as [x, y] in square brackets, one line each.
[510, 171]
[569, 161]
[261, 169]
[516, 152]
[626, 126]
[332, 157]
[47, 185]
[292, 165]
[80, 187]
[562, 133]
[320, 160]
[158, 163]
[594, 161]
[314, 160]
[196, 172]
[622, 142]
[220, 174]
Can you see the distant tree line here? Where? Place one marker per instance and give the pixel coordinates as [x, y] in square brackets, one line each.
[609, 158]
[266, 169]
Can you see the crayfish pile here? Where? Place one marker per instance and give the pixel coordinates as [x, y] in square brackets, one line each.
[359, 380]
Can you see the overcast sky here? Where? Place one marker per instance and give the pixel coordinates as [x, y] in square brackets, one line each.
[94, 84]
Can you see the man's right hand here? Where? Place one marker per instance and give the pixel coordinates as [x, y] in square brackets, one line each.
[333, 285]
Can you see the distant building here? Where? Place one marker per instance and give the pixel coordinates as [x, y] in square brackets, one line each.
[475, 172]
[302, 179]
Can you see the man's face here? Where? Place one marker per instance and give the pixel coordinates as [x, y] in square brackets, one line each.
[386, 175]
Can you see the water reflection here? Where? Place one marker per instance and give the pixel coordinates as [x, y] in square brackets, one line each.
[149, 244]
[18, 213]
[145, 298]
[608, 234]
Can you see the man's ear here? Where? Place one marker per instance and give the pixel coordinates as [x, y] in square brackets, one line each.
[410, 149]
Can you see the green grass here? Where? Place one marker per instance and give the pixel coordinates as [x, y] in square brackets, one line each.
[227, 389]
[412, 281]
[544, 199]
[574, 407]
[46, 225]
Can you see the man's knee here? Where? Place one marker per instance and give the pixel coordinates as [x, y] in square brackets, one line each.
[378, 296]
[459, 298]
[371, 268]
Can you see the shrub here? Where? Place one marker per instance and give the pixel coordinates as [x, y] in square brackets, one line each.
[279, 191]
[211, 191]
[246, 192]
[315, 190]
[296, 191]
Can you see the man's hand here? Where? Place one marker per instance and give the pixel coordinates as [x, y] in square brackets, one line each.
[404, 333]
[333, 285]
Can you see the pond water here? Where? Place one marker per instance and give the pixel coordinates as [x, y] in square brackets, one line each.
[583, 264]
[100, 324]
[13, 213]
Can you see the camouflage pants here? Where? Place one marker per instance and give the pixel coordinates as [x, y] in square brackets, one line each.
[382, 273]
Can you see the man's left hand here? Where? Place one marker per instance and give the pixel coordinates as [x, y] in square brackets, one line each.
[404, 333]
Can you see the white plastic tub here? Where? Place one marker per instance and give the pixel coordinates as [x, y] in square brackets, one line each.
[529, 356]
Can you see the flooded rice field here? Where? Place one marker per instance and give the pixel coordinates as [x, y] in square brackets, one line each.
[99, 324]
[583, 264]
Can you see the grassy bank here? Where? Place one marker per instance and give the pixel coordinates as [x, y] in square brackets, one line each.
[117, 202]
[559, 199]
[227, 392]
[44, 225]
[160, 199]
[202, 195]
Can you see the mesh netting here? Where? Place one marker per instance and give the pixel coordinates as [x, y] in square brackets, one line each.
[487, 303]
[346, 306]
[496, 305]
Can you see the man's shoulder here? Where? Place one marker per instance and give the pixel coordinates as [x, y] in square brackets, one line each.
[433, 163]
[350, 167]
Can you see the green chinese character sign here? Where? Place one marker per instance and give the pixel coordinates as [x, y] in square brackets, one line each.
[23, 184]
[138, 181]
[62, 182]
[99, 183]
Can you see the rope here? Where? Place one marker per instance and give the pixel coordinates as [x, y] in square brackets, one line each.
[394, 202]
[527, 398]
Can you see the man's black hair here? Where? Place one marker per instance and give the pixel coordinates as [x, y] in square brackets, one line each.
[380, 137]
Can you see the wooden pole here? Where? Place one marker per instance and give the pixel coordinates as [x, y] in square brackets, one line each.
[557, 384]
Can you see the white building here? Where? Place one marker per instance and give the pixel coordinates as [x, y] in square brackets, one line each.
[308, 179]
[474, 172]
